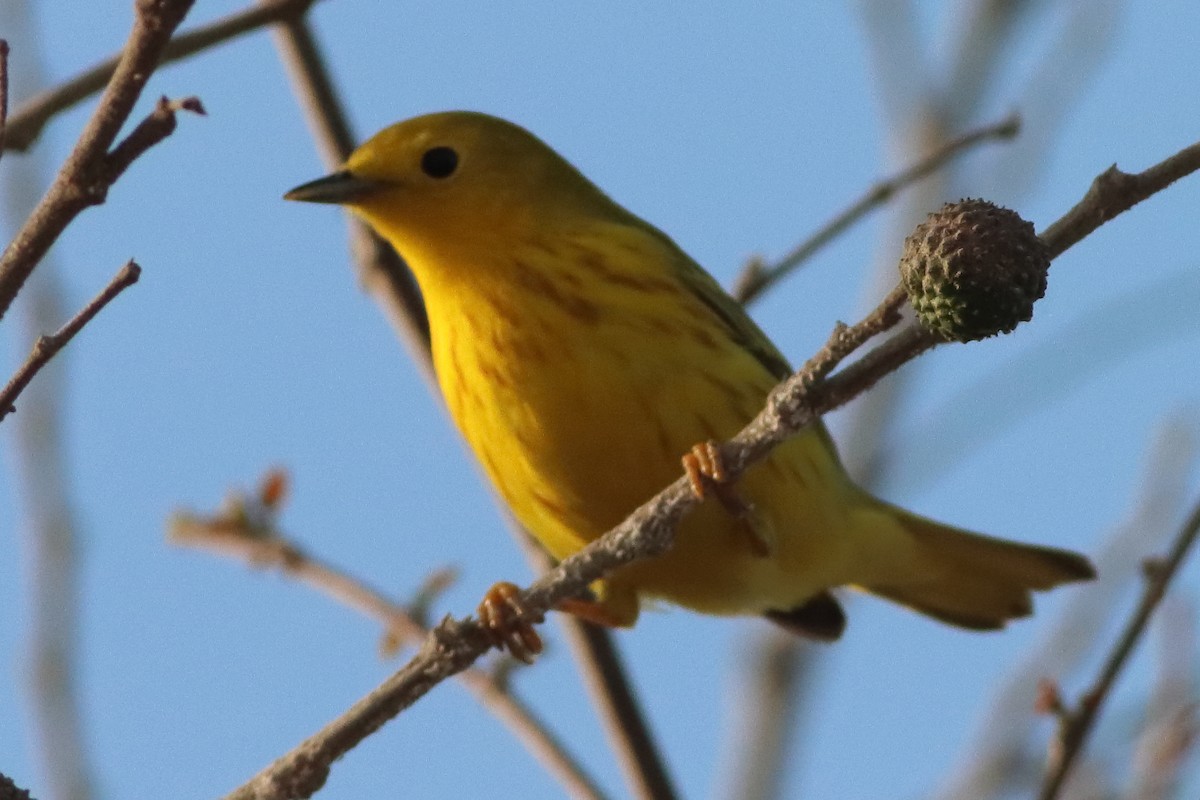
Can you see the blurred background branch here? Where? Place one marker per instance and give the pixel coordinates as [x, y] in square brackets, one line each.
[46, 346]
[246, 530]
[92, 168]
[49, 531]
[31, 116]
[996, 760]
[387, 278]
[1077, 723]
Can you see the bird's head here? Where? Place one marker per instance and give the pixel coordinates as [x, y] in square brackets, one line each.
[457, 179]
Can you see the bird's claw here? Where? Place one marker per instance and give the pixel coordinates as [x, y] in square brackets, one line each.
[705, 468]
[508, 623]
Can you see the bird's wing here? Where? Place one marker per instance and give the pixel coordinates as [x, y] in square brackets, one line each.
[741, 328]
[733, 316]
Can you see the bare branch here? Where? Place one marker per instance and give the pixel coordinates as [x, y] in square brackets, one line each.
[31, 117]
[599, 662]
[1169, 732]
[381, 270]
[1055, 87]
[598, 659]
[1077, 724]
[245, 531]
[757, 276]
[997, 761]
[899, 64]
[81, 181]
[780, 667]
[988, 32]
[153, 129]
[49, 530]
[313, 88]
[1121, 328]
[1113, 192]
[46, 347]
[3, 93]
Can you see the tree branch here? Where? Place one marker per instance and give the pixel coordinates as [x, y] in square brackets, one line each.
[3, 93]
[1168, 736]
[82, 181]
[46, 347]
[1113, 192]
[616, 703]
[777, 675]
[996, 761]
[150, 131]
[1077, 725]
[245, 531]
[381, 270]
[31, 117]
[756, 277]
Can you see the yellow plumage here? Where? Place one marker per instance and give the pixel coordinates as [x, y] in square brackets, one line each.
[582, 353]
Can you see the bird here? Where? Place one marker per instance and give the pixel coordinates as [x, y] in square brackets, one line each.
[587, 359]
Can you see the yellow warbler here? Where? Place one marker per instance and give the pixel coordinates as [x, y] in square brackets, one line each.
[582, 353]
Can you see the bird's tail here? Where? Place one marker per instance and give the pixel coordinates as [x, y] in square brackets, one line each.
[961, 578]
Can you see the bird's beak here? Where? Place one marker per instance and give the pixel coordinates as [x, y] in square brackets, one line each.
[339, 188]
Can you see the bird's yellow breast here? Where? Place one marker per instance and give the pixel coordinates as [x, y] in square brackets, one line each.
[580, 408]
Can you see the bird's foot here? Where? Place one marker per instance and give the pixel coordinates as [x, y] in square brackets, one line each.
[705, 470]
[508, 623]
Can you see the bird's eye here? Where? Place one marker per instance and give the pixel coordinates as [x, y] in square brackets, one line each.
[439, 162]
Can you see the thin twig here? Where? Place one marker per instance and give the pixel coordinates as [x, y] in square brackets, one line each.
[46, 347]
[1077, 724]
[82, 181]
[31, 117]
[1119, 329]
[918, 120]
[918, 131]
[629, 735]
[455, 644]
[1168, 734]
[158, 125]
[976, 71]
[50, 532]
[756, 277]
[390, 282]
[313, 88]
[381, 271]
[3, 92]
[1113, 192]
[779, 670]
[602, 670]
[258, 548]
[997, 760]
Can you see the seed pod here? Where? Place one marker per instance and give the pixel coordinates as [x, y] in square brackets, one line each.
[973, 270]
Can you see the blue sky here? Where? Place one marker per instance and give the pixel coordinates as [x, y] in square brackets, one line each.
[247, 343]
